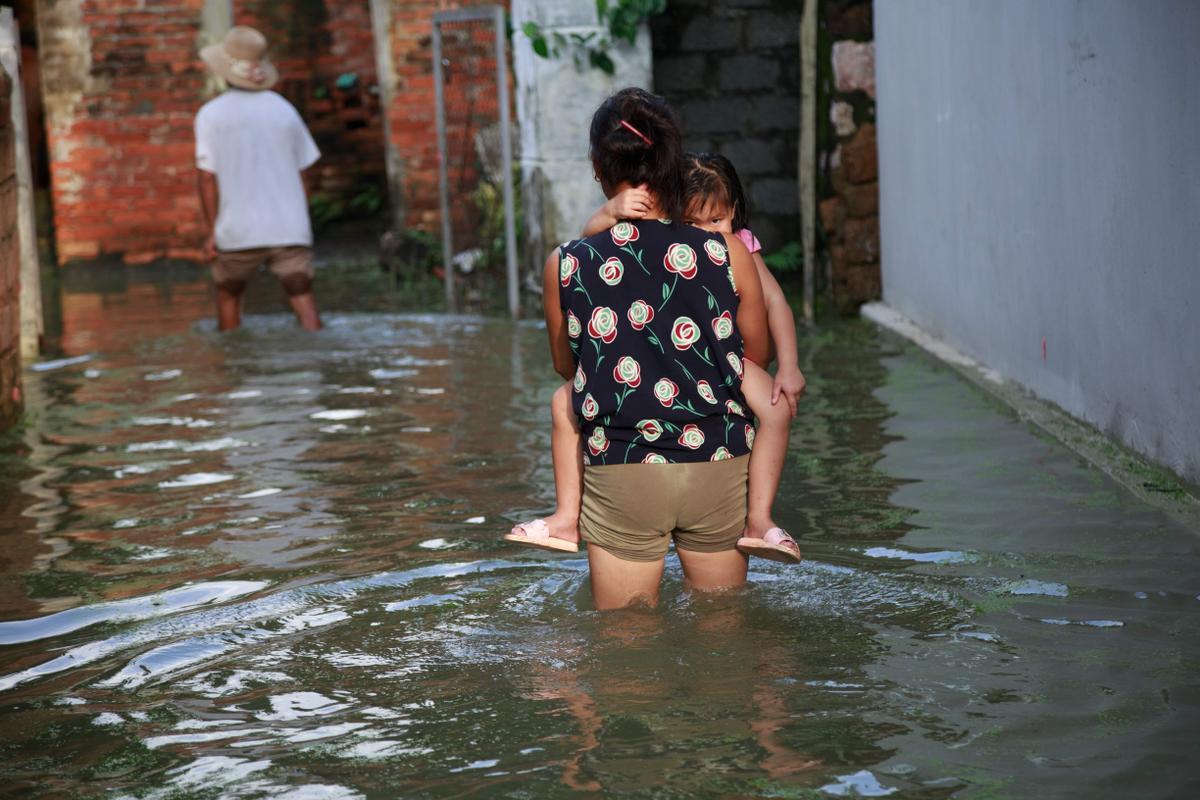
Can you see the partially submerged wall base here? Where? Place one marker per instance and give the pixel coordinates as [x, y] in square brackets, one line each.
[1149, 481]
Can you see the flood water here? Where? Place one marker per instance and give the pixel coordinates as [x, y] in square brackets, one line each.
[267, 564]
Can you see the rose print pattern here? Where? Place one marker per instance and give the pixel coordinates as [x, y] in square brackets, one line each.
[603, 324]
[681, 259]
[628, 371]
[597, 443]
[650, 429]
[735, 361]
[723, 325]
[568, 265]
[611, 271]
[749, 437]
[623, 233]
[658, 373]
[717, 253]
[666, 390]
[684, 333]
[590, 408]
[640, 314]
[691, 437]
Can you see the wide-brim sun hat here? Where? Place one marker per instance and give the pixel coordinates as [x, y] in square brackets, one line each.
[240, 59]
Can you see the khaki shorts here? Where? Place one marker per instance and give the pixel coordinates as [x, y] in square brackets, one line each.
[239, 265]
[634, 510]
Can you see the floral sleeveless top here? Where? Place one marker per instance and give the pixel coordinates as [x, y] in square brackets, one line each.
[650, 309]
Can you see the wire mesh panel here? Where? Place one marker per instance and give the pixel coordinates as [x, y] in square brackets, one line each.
[475, 151]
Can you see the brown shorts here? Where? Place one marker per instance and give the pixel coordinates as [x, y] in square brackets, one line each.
[634, 510]
[240, 265]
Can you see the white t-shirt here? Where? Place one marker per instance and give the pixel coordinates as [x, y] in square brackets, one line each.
[256, 144]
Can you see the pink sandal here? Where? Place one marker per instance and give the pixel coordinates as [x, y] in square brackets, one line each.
[775, 545]
[537, 534]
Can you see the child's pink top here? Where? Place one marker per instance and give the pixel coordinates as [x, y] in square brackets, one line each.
[748, 239]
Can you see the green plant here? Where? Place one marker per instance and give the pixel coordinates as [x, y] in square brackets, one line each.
[620, 21]
[789, 258]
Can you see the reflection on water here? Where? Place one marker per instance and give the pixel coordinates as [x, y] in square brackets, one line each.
[267, 564]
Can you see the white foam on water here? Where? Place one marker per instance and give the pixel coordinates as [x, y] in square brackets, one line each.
[160, 444]
[338, 428]
[180, 398]
[938, 557]
[1027, 587]
[131, 522]
[861, 783]
[339, 414]
[108, 718]
[357, 390]
[196, 479]
[389, 374]
[147, 468]
[430, 390]
[59, 363]
[416, 429]
[164, 375]
[92, 373]
[213, 445]
[475, 520]
[127, 610]
[297, 705]
[435, 544]
[259, 493]
[244, 394]
[1089, 623]
[185, 422]
[152, 554]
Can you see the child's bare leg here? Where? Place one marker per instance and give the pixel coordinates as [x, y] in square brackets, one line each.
[567, 453]
[770, 449]
[566, 449]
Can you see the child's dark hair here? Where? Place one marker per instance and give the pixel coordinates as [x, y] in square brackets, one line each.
[636, 140]
[712, 176]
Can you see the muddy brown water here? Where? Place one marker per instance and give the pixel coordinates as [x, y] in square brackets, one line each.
[266, 564]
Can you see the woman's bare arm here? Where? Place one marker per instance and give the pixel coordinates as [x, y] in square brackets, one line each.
[752, 312]
[556, 327]
[789, 380]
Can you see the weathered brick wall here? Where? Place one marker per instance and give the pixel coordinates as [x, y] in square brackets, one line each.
[412, 115]
[731, 70]
[121, 82]
[849, 209]
[10, 311]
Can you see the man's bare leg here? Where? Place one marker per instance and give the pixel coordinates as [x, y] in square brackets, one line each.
[229, 305]
[305, 308]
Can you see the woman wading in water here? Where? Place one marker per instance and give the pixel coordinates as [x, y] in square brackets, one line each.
[651, 321]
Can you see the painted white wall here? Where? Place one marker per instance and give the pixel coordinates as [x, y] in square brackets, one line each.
[1040, 179]
[555, 103]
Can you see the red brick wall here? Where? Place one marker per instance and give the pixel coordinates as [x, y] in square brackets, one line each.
[122, 82]
[10, 266]
[412, 116]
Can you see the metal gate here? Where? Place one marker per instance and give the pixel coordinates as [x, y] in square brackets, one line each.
[475, 164]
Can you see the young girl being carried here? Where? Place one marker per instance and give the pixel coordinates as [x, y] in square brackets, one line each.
[716, 203]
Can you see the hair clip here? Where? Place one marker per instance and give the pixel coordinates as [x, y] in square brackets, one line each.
[637, 133]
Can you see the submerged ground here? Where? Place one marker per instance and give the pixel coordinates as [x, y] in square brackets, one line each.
[267, 564]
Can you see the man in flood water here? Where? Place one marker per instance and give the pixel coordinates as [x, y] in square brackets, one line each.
[251, 150]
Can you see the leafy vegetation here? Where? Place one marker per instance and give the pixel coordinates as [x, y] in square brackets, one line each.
[620, 21]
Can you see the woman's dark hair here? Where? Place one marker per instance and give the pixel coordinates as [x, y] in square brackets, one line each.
[621, 155]
[711, 176]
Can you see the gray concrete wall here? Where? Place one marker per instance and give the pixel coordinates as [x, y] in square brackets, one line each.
[555, 103]
[1040, 180]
